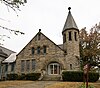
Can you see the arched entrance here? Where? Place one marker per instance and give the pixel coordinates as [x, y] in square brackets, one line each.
[54, 68]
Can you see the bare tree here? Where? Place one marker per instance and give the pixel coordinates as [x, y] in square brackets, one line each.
[15, 5]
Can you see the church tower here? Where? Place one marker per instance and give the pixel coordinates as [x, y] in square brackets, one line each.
[71, 41]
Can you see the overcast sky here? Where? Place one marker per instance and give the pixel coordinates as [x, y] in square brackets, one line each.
[47, 15]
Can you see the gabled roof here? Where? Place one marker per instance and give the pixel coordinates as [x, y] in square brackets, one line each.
[70, 23]
[6, 50]
[43, 35]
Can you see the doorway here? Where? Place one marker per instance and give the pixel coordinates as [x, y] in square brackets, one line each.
[54, 69]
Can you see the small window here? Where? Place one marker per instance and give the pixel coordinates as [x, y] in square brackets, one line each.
[44, 49]
[65, 52]
[70, 66]
[33, 51]
[64, 38]
[38, 50]
[39, 36]
[22, 65]
[33, 64]
[75, 36]
[70, 36]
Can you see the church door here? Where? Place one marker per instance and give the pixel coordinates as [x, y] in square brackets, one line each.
[53, 69]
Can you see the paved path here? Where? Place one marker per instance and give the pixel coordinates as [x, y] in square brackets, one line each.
[35, 84]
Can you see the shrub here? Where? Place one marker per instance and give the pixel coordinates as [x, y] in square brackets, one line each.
[33, 76]
[21, 77]
[77, 76]
[93, 77]
[12, 76]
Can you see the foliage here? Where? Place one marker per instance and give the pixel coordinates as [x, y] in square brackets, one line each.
[14, 4]
[21, 77]
[90, 45]
[84, 86]
[93, 77]
[77, 76]
[16, 32]
[33, 76]
[12, 76]
[29, 76]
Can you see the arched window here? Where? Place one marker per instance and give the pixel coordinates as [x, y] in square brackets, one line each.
[70, 36]
[33, 50]
[54, 68]
[38, 50]
[75, 36]
[44, 49]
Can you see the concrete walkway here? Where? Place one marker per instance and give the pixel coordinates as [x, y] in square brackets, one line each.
[35, 84]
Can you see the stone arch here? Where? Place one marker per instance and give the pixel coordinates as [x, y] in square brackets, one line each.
[47, 62]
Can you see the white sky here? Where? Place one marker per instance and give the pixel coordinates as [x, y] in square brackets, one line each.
[47, 15]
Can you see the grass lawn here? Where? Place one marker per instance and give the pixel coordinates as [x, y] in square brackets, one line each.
[71, 85]
[5, 84]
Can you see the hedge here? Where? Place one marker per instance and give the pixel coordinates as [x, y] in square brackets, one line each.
[21, 77]
[12, 76]
[78, 76]
[29, 76]
[33, 76]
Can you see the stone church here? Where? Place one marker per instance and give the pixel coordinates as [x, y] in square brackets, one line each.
[42, 55]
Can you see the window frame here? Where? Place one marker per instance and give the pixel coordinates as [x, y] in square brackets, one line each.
[70, 35]
[33, 64]
[75, 36]
[22, 65]
[27, 65]
[33, 50]
[38, 50]
[44, 49]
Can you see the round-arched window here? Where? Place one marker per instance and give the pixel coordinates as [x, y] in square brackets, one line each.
[54, 69]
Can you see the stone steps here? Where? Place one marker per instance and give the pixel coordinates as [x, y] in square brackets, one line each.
[51, 78]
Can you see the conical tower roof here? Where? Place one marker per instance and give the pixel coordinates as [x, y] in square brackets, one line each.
[70, 23]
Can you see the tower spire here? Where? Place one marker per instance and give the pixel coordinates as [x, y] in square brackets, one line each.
[69, 8]
[70, 23]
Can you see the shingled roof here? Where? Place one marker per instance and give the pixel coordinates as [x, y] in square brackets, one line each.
[70, 23]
